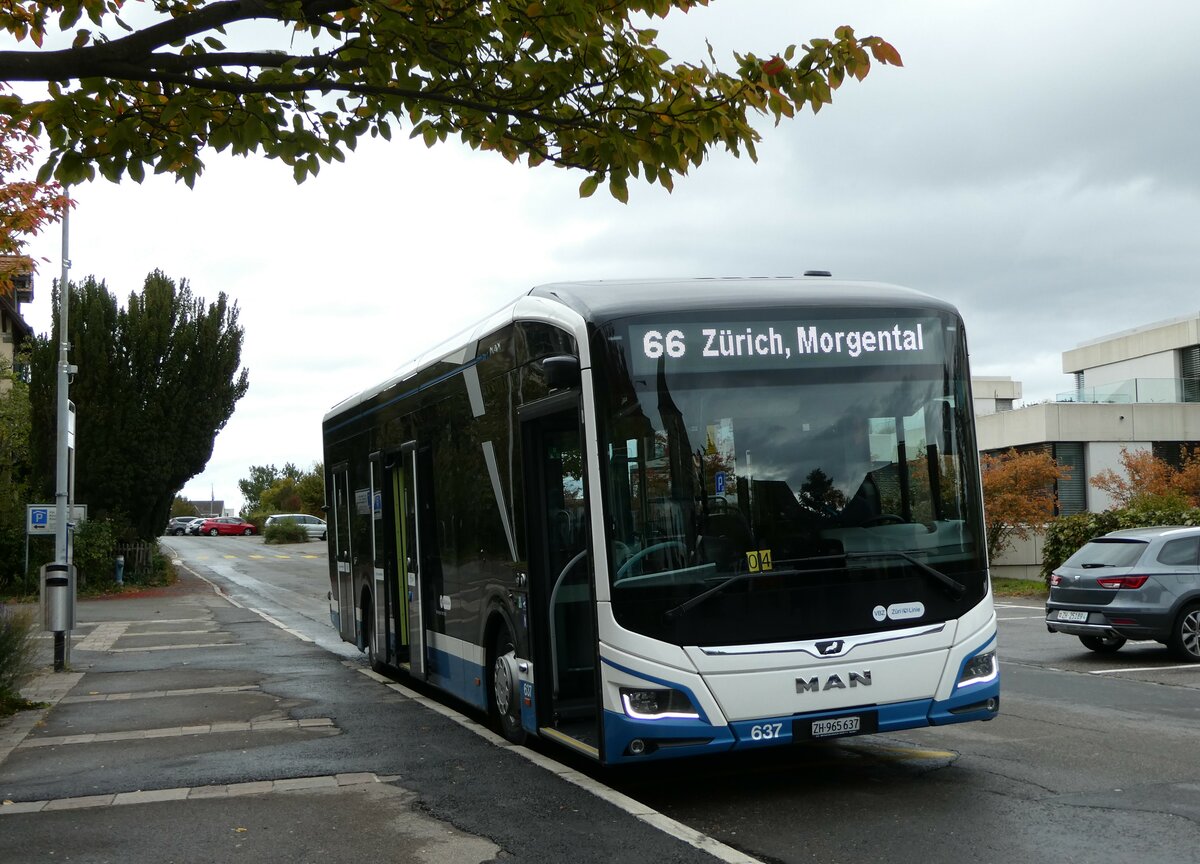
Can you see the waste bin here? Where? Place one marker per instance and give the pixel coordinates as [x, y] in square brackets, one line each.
[58, 598]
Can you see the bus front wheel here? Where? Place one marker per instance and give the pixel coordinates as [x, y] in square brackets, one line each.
[505, 687]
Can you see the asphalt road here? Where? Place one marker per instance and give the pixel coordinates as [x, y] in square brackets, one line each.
[1093, 758]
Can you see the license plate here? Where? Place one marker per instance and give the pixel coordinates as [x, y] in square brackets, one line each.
[836, 727]
[1071, 615]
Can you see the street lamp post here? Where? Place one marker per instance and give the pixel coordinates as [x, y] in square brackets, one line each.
[62, 642]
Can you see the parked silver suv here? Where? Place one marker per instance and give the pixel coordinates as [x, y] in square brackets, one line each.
[1141, 583]
[313, 526]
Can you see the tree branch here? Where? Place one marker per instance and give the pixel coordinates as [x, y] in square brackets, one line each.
[89, 61]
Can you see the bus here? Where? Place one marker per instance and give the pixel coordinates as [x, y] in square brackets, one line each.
[651, 519]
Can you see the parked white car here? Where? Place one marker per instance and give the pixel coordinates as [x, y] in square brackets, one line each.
[313, 526]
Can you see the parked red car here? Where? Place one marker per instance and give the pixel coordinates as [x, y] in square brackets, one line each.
[227, 525]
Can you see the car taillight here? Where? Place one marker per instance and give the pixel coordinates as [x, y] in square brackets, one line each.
[1055, 579]
[1122, 581]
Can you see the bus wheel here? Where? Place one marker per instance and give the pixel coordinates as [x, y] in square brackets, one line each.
[369, 635]
[504, 688]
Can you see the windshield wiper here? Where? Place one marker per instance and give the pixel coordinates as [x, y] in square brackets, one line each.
[740, 577]
[953, 587]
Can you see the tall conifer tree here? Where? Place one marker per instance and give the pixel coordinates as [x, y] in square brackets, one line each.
[157, 380]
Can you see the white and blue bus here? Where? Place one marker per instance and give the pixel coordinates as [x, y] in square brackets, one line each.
[649, 519]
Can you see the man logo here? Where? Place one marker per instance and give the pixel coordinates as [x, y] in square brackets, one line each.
[831, 648]
[833, 682]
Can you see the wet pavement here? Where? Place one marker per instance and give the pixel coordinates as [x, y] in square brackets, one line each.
[188, 729]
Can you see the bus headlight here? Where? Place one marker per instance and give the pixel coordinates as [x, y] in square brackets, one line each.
[980, 669]
[656, 704]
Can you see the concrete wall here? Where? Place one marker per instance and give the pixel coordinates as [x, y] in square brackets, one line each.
[1022, 560]
[1101, 455]
[1153, 339]
[1164, 364]
[986, 390]
[1071, 421]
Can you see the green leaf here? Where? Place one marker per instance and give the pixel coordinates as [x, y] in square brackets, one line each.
[588, 187]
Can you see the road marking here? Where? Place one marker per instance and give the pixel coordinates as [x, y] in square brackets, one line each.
[154, 694]
[282, 626]
[179, 731]
[174, 647]
[104, 636]
[1016, 606]
[1193, 666]
[192, 793]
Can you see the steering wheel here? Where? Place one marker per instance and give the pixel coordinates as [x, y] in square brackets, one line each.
[884, 519]
[642, 553]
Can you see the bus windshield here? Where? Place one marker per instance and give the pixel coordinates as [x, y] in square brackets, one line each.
[779, 491]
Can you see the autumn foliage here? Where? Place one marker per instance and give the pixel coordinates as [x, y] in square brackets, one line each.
[150, 86]
[1149, 478]
[26, 206]
[1018, 495]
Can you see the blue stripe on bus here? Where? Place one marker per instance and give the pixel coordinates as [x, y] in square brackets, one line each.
[457, 676]
[662, 682]
[671, 738]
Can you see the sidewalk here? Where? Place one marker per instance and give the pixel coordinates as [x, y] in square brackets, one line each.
[190, 730]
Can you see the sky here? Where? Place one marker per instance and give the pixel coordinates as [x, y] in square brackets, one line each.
[1034, 163]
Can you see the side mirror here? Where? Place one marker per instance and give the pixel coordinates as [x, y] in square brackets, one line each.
[562, 371]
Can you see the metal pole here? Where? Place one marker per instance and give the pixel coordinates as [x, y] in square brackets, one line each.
[62, 513]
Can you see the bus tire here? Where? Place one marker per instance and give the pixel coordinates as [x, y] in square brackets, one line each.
[504, 700]
[369, 633]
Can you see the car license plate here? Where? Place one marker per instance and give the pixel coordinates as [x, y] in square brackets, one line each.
[836, 727]
[1071, 615]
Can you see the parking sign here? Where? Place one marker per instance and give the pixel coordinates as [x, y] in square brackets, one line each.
[43, 518]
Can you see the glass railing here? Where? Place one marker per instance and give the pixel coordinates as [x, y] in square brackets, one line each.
[1136, 390]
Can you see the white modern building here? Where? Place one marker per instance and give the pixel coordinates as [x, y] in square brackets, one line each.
[1134, 390]
[994, 394]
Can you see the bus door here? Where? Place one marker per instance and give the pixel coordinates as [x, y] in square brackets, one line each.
[381, 634]
[563, 624]
[395, 528]
[413, 494]
[340, 475]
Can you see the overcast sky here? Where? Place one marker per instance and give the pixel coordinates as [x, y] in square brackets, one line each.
[1034, 163]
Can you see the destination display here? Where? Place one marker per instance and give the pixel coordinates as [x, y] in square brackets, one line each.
[763, 345]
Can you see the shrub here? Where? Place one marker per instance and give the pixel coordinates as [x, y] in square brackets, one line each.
[18, 655]
[95, 548]
[285, 531]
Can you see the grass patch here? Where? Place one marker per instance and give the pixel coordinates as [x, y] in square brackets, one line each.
[10, 704]
[1005, 587]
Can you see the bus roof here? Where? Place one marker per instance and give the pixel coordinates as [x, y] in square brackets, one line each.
[602, 300]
